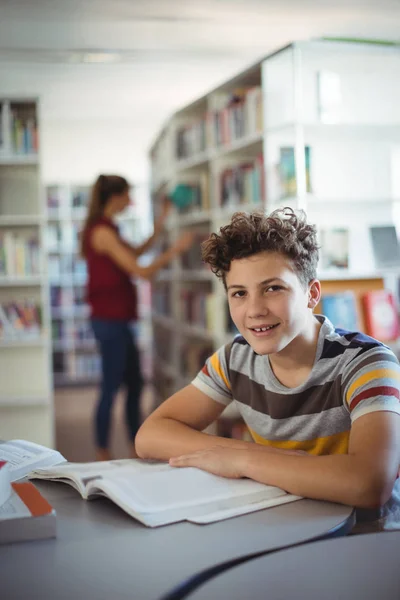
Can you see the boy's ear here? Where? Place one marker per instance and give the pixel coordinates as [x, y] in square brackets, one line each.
[314, 293]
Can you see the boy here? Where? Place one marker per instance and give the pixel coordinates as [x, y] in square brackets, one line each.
[321, 404]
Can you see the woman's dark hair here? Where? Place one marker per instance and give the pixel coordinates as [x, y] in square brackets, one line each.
[282, 231]
[104, 188]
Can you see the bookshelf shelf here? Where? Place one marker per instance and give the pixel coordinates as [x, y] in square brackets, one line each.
[22, 281]
[16, 159]
[26, 398]
[20, 220]
[38, 342]
[302, 129]
[21, 401]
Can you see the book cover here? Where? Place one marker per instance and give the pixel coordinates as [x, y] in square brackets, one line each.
[287, 171]
[381, 315]
[341, 310]
[26, 515]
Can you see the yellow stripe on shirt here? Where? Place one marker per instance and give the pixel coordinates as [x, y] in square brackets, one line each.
[367, 377]
[216, 365]
[332, 444]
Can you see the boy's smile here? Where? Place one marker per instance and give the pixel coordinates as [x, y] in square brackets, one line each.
[268, 304]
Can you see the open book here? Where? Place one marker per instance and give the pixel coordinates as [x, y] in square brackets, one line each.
[156, 494]
[22, 457]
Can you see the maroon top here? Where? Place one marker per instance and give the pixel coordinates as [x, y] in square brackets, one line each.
[110, 291]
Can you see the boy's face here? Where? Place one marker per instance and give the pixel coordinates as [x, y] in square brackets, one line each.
[268, 304]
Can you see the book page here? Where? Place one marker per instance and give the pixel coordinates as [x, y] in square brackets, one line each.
[79, 475]
[23, 457]
[157, 496]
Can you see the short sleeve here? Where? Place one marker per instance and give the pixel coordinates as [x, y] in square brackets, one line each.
[213, 379]
[371, 383]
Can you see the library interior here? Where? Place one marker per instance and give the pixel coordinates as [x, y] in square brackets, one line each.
[201, 110]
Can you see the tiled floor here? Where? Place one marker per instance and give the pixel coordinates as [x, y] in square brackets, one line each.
[74, 409]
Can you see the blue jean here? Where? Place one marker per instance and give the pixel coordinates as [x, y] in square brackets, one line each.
[120, 363]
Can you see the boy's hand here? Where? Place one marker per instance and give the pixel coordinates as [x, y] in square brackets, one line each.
[219, 460]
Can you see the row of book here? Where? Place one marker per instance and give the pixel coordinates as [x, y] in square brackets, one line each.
[377, 308]
[63, 198]
[70, 366]
[73, 331]
[161, 299]
[24, 131]
[232, 116]
[191, 259]
[191, 139]
[67, 298]
[236, 115]
[20, 320]
[62, 237]
[68, 264]
[243, 184]
[19, 254]
[162, 343]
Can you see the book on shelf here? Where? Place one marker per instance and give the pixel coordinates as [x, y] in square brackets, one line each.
[20, 320]
[287, 171]
[341, 310]
[23, 128]
[191, 139]
[150, 491]
[19, 254]
[26, 515]
[234, 115]
[381, 315]
[242, 184]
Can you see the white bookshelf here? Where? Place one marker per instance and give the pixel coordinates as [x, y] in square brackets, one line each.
[75, 357]
[342, 101]
[26, 398]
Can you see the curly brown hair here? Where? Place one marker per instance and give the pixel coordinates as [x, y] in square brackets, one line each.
[282, 231]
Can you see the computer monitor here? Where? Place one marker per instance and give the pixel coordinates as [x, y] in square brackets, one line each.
[385, 245]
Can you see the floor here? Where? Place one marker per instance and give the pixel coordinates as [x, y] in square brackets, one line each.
[74, 409]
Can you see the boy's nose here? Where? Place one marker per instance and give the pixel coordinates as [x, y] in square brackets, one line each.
[257, 308]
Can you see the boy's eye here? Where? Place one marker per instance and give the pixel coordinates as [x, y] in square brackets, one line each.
[273, 288]
[238, 294]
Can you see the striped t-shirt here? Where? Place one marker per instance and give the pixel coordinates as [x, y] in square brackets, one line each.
[353, 375]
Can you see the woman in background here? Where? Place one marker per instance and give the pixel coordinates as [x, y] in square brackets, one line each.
[111, 295]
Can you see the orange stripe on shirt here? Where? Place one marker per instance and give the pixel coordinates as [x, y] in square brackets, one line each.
[216, 365]
[332, 444]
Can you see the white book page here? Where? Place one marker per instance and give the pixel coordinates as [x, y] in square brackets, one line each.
[158, 489]
[14, 508]
[79, 475]
[228, 513]
[23, 457]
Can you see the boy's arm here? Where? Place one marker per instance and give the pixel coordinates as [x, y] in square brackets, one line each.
[364, 477]
[176, 426]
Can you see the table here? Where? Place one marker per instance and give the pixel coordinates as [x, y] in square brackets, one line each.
[357, 567]
[102, 553]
